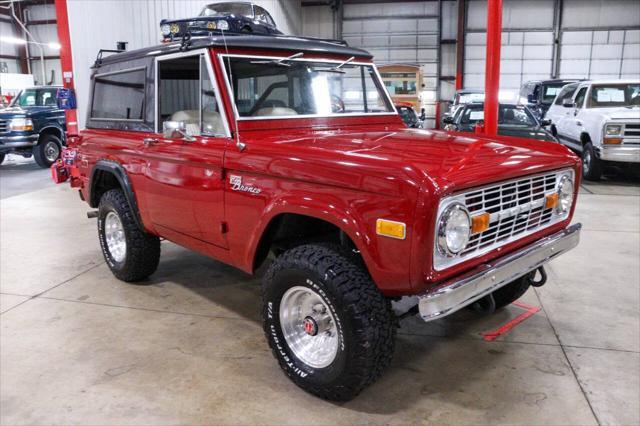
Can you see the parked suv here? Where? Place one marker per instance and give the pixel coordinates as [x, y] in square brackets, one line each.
[539, 95]
[601, 121]
[254, 146]
[33, 125]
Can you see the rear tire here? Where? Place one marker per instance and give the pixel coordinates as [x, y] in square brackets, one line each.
[131, 254]
[47, 151]
[511, 292]
[353, 323]
[591, 165]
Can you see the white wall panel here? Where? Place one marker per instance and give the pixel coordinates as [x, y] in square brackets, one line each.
[516, 14]
[6, 29]
[137, 22]
[600, 13]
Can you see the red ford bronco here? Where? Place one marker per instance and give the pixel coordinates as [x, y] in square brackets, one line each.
[288, 150]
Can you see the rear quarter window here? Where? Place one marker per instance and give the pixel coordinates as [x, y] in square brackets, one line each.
[119, 96]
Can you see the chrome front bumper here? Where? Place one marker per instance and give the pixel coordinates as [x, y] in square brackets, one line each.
[461, 291]
[19, 141]
[624, 154]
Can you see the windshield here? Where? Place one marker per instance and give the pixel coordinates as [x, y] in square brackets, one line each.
[508, 115]
[549, 92]
[36, 97]
[267, 88]
[467, 98]
[614, 95]
[238, 9]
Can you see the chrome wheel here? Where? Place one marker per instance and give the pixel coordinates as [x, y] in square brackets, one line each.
[51, 151]
[114, 234]
[309, 327]
[586, 161]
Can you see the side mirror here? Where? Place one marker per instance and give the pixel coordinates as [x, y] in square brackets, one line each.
[531, 99]
[176, 130]
[567, 103]
[447, 120]
[423, 114]
[545, 122]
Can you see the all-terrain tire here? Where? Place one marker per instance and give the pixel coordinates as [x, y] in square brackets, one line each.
[591, 165]
[50, 146]
[511, 292]
[142, 253]
[366, 326]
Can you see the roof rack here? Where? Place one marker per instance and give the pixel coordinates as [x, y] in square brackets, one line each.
[101, 53]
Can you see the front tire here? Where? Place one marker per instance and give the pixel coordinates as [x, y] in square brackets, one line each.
[47, 151]
[591, 165]
[328, 325]
[131, 254]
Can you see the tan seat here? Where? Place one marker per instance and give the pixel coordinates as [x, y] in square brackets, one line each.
[274, 112]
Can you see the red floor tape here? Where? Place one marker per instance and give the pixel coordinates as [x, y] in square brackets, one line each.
[490, 336]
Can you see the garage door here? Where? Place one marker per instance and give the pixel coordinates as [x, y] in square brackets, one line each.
[398, 33]
[600, 54]
[525, 55]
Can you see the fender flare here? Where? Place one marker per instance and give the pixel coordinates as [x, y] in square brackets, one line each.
[56, 127]
[125, 183]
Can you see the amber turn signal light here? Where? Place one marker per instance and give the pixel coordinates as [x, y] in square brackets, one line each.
[480, 223]
[612, 141]
[551, 201]
[390, 228]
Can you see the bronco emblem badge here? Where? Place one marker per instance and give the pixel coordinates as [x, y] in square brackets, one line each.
[236, 185]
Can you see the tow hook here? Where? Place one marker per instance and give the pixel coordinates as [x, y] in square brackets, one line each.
[541, 281]
[92, 214]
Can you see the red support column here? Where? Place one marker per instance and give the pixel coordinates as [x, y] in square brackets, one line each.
[492, 70]
[460, 45]
[66, 61]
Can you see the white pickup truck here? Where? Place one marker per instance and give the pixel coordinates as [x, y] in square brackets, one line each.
[601, 121]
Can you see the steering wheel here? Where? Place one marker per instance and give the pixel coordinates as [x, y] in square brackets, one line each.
[337, 104]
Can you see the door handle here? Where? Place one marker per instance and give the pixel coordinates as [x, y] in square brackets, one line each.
[578, 123]
[150, 141]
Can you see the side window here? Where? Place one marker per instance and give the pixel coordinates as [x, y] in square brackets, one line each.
[566, 92]
[212, 123]
[186, 95]
[580, 97]
[119, 95]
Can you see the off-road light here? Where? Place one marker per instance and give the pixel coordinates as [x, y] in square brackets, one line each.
[21, 124]
[565, 195]
[165, 29]
[222, 25]
[454, 229]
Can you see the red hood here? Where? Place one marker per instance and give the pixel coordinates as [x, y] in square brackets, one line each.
[376, 160]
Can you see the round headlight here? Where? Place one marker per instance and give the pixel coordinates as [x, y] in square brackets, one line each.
[454, 229]
[565, 195]
[222, 25]
[165, 29]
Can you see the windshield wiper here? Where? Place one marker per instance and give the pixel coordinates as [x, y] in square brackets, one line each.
[337, 68]
[280, 62]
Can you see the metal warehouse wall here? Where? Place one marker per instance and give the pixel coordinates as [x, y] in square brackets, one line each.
[45, 34]
[599, 39]
[7, 30]
[100, 24]
[399, 33]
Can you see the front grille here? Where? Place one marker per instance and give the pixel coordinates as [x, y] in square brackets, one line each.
[631, 134]
[516, 209]
[4, 126]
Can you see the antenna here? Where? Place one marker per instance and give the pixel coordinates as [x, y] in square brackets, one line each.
[240, 145]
